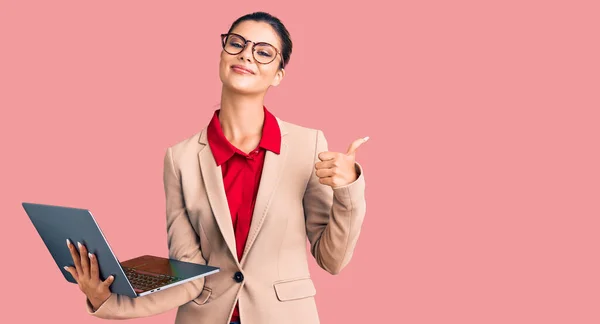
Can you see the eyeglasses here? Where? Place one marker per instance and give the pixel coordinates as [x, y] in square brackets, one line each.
[263, 53]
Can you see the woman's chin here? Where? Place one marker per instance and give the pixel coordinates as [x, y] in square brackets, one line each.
[241, 88]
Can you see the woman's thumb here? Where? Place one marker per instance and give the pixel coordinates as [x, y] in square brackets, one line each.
[109, 280]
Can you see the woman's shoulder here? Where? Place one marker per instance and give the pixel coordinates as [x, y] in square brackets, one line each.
[294, 133]
[298, 131]
[190, 144]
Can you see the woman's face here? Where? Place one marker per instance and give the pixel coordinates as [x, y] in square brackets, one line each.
[260, 76]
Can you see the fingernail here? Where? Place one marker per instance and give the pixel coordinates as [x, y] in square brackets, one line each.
[90, 255]
[366, 138]
[68, 242]
[79, 244]
[65, 267]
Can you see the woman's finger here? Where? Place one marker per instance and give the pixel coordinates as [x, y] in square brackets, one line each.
[94, 267]
[76, 258]
[329, 181]
[326, 164]
[85, 261]
[108, 281]
[73, 273]
[323, 173]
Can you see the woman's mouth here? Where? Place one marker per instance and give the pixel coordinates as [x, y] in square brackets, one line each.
[241, 70]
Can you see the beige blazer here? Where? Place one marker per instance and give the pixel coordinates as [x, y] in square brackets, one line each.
[291, 206]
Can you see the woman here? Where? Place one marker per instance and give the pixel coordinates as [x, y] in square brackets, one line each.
[243, 195]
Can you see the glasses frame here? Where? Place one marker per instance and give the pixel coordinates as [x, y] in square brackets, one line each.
[246, 41]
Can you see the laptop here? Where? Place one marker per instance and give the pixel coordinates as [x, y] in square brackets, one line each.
[137, 277]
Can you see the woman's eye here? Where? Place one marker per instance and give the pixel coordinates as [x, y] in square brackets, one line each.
[263, 53]
[238, 45]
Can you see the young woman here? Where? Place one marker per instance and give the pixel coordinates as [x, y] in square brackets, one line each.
[243, 195]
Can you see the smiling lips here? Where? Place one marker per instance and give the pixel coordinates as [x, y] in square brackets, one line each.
[241, 69]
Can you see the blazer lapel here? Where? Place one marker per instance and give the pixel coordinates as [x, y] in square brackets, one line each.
[215, 190]
[271, 174]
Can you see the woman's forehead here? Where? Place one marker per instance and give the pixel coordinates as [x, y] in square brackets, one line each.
[257, 32]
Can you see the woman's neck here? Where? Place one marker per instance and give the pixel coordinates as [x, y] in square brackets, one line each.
[241, 116]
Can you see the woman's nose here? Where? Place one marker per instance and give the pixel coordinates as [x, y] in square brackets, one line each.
[247, 52]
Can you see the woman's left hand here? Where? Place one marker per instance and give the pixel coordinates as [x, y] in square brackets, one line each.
[337, 169]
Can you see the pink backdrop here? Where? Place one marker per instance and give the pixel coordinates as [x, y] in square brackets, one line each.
[482, 170]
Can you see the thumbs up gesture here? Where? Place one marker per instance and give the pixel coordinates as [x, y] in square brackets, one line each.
[337, 169]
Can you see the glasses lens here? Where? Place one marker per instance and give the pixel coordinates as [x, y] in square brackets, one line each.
[234, 44]
[264, 53]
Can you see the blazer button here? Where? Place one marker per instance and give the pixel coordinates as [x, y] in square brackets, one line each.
[238, 277]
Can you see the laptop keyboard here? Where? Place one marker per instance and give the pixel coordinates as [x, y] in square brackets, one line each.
[144, 282]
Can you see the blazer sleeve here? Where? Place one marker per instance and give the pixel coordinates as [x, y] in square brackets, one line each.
[334, 216]
[184, 245]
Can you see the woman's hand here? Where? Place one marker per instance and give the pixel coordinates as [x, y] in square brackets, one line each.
[337, 169]
[87, 275]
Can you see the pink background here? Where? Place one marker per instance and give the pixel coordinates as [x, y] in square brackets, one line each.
[482, 170]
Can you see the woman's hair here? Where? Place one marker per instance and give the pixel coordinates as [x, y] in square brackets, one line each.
[277, 25]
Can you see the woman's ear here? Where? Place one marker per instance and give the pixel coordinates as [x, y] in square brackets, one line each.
[278, 77]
